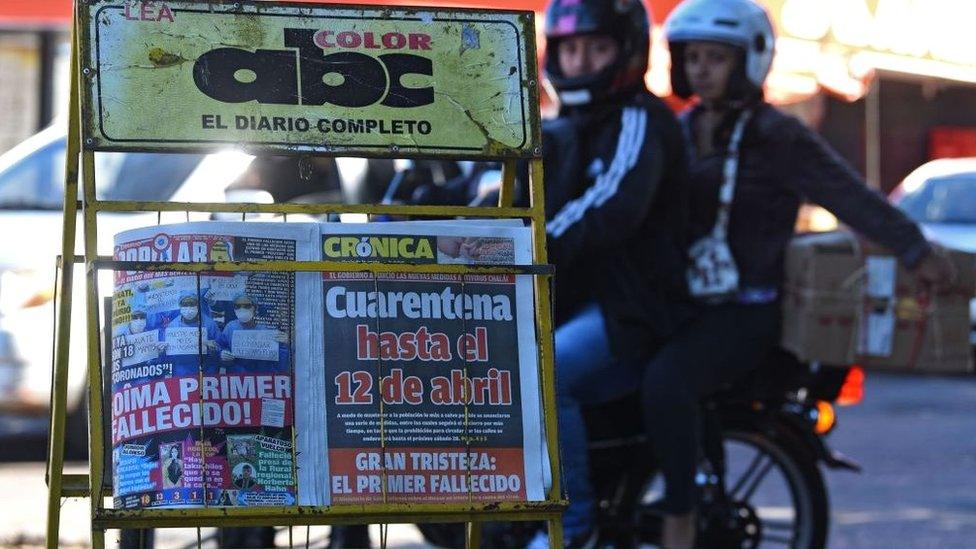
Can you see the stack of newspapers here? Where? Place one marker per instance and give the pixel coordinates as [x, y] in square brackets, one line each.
[325, 388]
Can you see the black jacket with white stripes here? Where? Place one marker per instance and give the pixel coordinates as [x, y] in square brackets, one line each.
[616, 210]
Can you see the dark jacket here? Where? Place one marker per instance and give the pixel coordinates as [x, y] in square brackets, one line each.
[781, 164]
[616, 205]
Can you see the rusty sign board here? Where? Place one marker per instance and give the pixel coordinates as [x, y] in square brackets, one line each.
[192, 75]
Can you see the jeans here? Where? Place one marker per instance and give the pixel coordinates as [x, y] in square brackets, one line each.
[722, 344]
[585, 374]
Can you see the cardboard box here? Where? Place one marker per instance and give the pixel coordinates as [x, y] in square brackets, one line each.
[848, 301]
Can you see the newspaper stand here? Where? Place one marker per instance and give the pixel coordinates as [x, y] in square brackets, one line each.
[99, 121]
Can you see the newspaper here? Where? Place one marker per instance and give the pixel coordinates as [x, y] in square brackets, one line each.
[203, 368]
[431, 381]
[400, 388]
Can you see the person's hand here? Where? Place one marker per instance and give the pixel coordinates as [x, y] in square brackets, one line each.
[226, 356]
[936, 270]
[281, 337]
[162, 346]
[210, 344]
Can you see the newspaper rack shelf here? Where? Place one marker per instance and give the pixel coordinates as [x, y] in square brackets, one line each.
[108, 111]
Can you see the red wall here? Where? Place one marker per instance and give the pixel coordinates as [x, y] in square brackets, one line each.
[35, 12]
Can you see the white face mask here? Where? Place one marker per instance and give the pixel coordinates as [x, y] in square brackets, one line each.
[137, 325]
[188, 313]
[244, 315]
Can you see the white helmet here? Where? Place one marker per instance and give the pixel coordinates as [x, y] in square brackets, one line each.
[740, 23]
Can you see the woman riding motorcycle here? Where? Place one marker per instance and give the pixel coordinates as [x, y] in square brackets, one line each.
[750, 167]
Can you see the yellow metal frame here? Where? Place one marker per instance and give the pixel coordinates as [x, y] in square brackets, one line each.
[62, 485]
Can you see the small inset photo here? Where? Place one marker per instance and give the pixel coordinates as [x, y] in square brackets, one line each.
[171, 464]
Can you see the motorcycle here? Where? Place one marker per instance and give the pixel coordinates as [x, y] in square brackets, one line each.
[759, 480]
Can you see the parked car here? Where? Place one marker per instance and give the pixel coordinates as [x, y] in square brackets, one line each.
[31, 194]
[941, 197]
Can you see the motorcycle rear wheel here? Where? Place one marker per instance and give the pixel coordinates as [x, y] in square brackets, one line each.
[792, 511]
[811, 515]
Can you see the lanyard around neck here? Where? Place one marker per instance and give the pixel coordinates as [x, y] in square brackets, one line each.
[730, 172]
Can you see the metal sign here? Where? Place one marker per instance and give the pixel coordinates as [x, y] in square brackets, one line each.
[327, 78]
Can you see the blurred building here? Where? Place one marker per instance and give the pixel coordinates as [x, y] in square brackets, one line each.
[890, 83]
[34, 55]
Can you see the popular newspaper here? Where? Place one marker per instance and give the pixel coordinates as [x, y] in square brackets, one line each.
[202, 370]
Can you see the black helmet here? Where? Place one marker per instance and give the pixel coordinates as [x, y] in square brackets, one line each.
[624, 20]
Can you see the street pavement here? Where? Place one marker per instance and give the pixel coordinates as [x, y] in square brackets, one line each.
[915, 437]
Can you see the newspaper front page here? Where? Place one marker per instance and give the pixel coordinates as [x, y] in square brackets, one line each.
[262, 388]
[431, 387]
[203, 368]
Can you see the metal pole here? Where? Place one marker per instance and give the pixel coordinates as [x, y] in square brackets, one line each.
[872, 134]
[472, 535]
[96, 442]
[543, 306]
[59, 383]
[507, 195]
